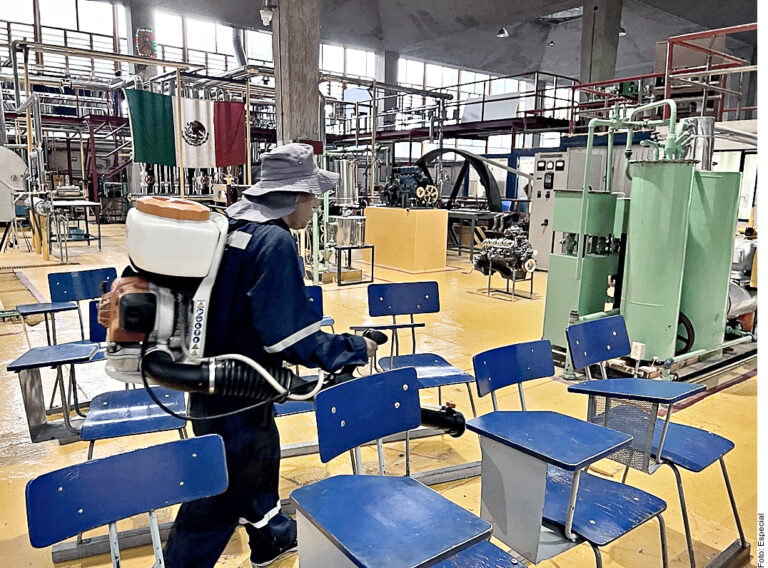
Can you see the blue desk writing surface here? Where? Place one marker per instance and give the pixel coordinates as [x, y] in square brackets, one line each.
[557, 439]
[481, 555]
[45, 308]
[54, 355]
[383, 522]
[664, 392]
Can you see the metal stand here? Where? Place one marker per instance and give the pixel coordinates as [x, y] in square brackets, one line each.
[514, 281]
[348, 249]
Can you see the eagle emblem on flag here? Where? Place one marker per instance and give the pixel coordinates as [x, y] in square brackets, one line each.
[195, 133]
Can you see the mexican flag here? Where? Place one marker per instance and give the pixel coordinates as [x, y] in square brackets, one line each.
[212, 132]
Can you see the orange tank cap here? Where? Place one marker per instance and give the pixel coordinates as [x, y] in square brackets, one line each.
[173, 208]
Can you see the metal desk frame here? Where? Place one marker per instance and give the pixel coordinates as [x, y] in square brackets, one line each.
[473, 217]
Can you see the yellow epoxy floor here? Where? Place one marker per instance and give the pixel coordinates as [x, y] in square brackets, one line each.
[467, 324]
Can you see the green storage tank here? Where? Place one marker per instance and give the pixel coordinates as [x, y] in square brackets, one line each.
[655, 256]
[711, 233]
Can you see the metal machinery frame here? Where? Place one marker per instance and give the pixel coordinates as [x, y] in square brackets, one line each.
[596, 99]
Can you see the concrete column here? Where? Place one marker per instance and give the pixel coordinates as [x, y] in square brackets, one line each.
[600, 29]
[296, 51]
[139, 15]
[389, 64]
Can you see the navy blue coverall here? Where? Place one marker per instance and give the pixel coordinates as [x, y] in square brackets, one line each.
[259, 308]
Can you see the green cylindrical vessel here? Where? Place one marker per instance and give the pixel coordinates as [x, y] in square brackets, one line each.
[711, 232]
[655, 256]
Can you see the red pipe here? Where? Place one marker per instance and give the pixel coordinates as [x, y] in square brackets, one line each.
[715, 32]
[619, 80]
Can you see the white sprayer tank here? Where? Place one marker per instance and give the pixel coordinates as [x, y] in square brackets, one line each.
[172, 237]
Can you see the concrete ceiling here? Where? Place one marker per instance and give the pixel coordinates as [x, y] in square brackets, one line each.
[463, 33]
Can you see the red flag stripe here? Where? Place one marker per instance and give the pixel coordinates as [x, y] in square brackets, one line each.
[229, 130]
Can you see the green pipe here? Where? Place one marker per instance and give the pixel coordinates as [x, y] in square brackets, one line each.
[737, 332]
[594, 123]
[609, 162]
[599, 315]
[725, 345]
[670, 135]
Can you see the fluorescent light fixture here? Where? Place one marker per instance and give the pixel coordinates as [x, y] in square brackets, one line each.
[502, 32]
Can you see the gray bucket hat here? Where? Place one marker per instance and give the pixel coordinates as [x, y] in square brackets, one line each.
[291, 168]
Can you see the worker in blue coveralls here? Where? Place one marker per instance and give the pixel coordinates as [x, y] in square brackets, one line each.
[259, 308]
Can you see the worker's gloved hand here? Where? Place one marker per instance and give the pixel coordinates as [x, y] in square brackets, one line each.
[370, 347]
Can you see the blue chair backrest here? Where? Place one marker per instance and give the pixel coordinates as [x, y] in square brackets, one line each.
[596, 341]
[80, 285]
[315, 295]
[81, 497]
[96, 332]
[365, 409]
[512, 364]
[403, 298]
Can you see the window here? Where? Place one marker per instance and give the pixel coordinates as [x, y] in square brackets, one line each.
[122, 25]
[201, 35]
[19, 11]
[259, 45]
[524, 164]
[57, 13]
[410, 72]
[167, 29]
[224, 42]
[501, 86]
[95, 17]
[549, 140]
[360, 62]
[332, 58]
[501, 144]
[408, 150]
[450, 76]
[748, 183]
[434, 76]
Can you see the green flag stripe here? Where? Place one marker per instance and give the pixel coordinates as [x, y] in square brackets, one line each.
[152, 127]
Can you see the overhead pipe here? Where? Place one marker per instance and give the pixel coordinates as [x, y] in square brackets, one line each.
[637, 110]
[237, 44]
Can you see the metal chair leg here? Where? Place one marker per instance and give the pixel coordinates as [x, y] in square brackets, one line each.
[439, 396]
[73, 387]
[686, 523]
[624, 477]
[742, 539]
[91, 444]
[380, 452]
[598, 556]
[471, 400]
[663, 536]
[407, 453]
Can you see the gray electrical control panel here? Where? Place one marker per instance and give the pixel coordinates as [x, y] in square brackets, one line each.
[551, 172]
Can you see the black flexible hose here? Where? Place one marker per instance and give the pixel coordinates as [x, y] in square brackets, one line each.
[231, 377]
[445, 418]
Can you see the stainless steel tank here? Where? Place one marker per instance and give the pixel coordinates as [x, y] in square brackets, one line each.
[347, 193]
[350, 230]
